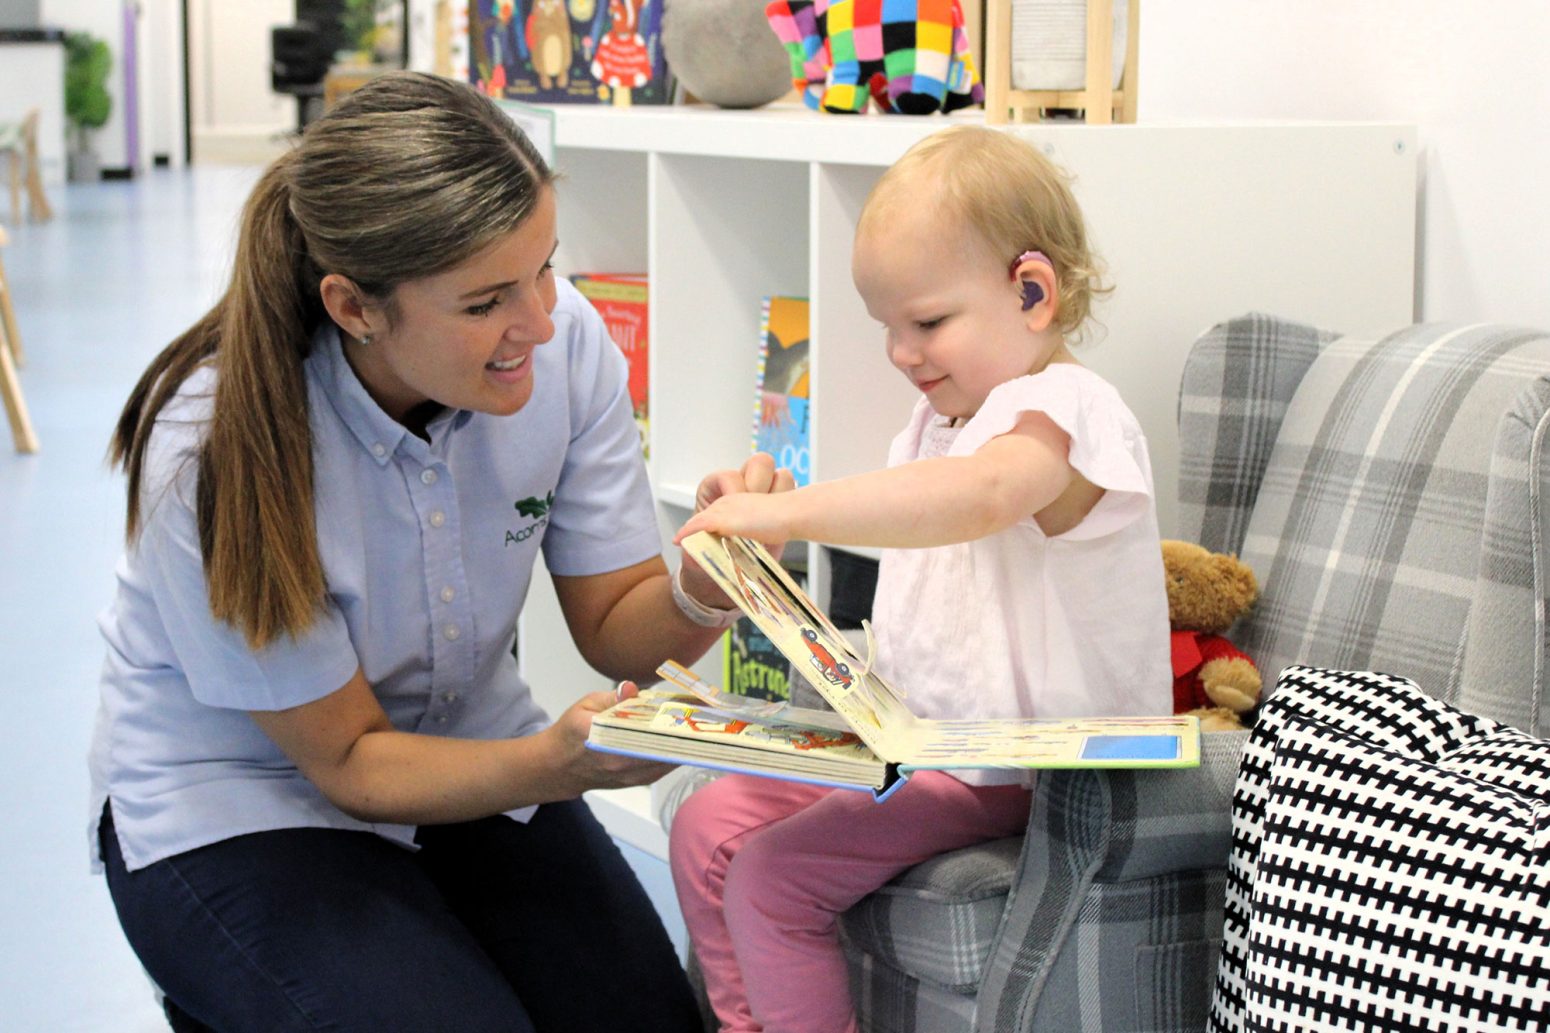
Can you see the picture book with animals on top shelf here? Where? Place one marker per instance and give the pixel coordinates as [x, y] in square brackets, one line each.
[871, 740]
[569, 51]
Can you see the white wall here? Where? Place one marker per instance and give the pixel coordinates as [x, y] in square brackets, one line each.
[229, 69]
[161, 52]
[1474, 78]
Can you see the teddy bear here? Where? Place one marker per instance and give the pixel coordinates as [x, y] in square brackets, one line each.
[1207, 591]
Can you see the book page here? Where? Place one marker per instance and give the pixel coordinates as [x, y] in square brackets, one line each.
[876, 711]
[1127, 742]
[817, 650]
[676, 714]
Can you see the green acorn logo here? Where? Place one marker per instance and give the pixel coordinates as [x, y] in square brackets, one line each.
[534, 506]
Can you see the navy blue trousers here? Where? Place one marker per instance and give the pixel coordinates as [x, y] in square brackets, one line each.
[492, 926]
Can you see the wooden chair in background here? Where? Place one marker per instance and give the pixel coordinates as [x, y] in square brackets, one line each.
[19, 143]
[10, 355]
[1101, 102]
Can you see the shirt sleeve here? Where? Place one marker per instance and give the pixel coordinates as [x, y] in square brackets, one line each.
[221, 669]
[604, 517]
[1107, 446]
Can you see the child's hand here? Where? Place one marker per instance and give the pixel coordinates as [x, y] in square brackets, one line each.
[764, 518]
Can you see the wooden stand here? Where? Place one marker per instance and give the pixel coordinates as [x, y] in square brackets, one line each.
[1101, 102]
[10, 354]
[346, 79]
[443, 45]
[22, 149]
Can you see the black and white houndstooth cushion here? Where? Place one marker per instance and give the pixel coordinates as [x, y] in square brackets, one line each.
[1390, 867]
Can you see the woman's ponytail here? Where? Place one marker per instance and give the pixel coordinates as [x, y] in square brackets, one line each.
[406, 177]
[255, 500]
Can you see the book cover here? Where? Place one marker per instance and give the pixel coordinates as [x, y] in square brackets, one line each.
[751, 666]
[782, 397]
[622, 300]
[568, 51]
[897, 742]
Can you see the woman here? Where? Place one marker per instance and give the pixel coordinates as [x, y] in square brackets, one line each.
[316, 765]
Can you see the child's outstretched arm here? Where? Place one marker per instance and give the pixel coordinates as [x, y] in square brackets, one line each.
[924, 503]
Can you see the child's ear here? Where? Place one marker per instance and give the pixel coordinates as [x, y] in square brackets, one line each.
[1038, 290]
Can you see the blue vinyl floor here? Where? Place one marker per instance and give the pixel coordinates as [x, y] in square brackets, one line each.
[122, 268]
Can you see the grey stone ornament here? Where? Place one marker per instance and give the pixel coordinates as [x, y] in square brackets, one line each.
[724, 52]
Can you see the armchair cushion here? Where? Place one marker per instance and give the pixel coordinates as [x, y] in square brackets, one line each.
[1379, 489]
[1389, 865]
[1237, 384]
[938, 921]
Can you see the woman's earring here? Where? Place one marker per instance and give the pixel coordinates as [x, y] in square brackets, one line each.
[366, 340]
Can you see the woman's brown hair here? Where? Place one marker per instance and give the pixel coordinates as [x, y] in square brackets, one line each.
[409, 176]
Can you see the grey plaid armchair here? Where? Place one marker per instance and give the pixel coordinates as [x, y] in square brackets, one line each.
[1387, 495]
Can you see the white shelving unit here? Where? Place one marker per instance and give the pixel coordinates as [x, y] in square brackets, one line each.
[1197, 223]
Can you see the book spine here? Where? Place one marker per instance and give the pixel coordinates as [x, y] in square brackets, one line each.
[758, 377]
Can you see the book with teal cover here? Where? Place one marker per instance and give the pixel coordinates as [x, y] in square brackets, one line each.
[782, 419]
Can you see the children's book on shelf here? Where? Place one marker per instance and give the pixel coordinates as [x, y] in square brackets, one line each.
[781, 398]
[621, 299]
[871, 740]
[568, 51]
[751, 666]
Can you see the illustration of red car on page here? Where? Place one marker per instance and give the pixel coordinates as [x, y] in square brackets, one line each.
[834, 672]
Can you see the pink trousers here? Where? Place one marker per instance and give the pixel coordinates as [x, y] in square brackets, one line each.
[764, 868]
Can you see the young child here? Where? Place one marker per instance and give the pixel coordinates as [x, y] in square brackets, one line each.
[1021, 574]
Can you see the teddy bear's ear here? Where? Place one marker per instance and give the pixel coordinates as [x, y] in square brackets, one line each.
[1238, 577]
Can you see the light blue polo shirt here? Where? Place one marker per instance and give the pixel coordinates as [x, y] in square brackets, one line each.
[428, 550]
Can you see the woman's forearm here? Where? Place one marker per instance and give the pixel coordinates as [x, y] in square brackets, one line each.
[345, 745]
[412, 779]
[645, 628]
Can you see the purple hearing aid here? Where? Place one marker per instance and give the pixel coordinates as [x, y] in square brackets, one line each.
[1032, 292]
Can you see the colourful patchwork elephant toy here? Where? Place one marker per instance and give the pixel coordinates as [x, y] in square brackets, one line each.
[911, 56]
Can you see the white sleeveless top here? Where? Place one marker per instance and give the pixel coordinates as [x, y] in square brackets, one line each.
[1021, 624]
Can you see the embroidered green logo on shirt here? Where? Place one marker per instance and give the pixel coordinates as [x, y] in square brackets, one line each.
[535, 507]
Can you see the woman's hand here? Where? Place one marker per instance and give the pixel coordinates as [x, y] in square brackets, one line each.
[590, 769]
[758, 476]
[758, 479]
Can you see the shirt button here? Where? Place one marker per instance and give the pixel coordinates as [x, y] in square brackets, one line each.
[450, 697]
[427, 476]
[438, 518]
[452, 633]
[448, 594]
[441, 719]
[379, 450]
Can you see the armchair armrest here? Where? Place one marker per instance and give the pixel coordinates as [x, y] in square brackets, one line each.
[1093, 829]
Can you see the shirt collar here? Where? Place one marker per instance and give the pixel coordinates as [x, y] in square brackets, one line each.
[378, 433]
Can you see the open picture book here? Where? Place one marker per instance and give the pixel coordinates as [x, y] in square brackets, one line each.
[871, 740]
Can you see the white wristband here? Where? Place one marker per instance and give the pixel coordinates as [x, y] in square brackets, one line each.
[698, 612]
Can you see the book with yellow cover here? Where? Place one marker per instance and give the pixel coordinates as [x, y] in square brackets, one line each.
[872, 740]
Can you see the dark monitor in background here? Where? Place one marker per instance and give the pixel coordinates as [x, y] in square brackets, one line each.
[299, 58]
[327, 17]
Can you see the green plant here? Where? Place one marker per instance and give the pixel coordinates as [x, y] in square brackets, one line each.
[360, 22]
[87, 63]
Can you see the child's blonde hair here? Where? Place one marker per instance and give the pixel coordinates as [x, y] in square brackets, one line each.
[1015, 198]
